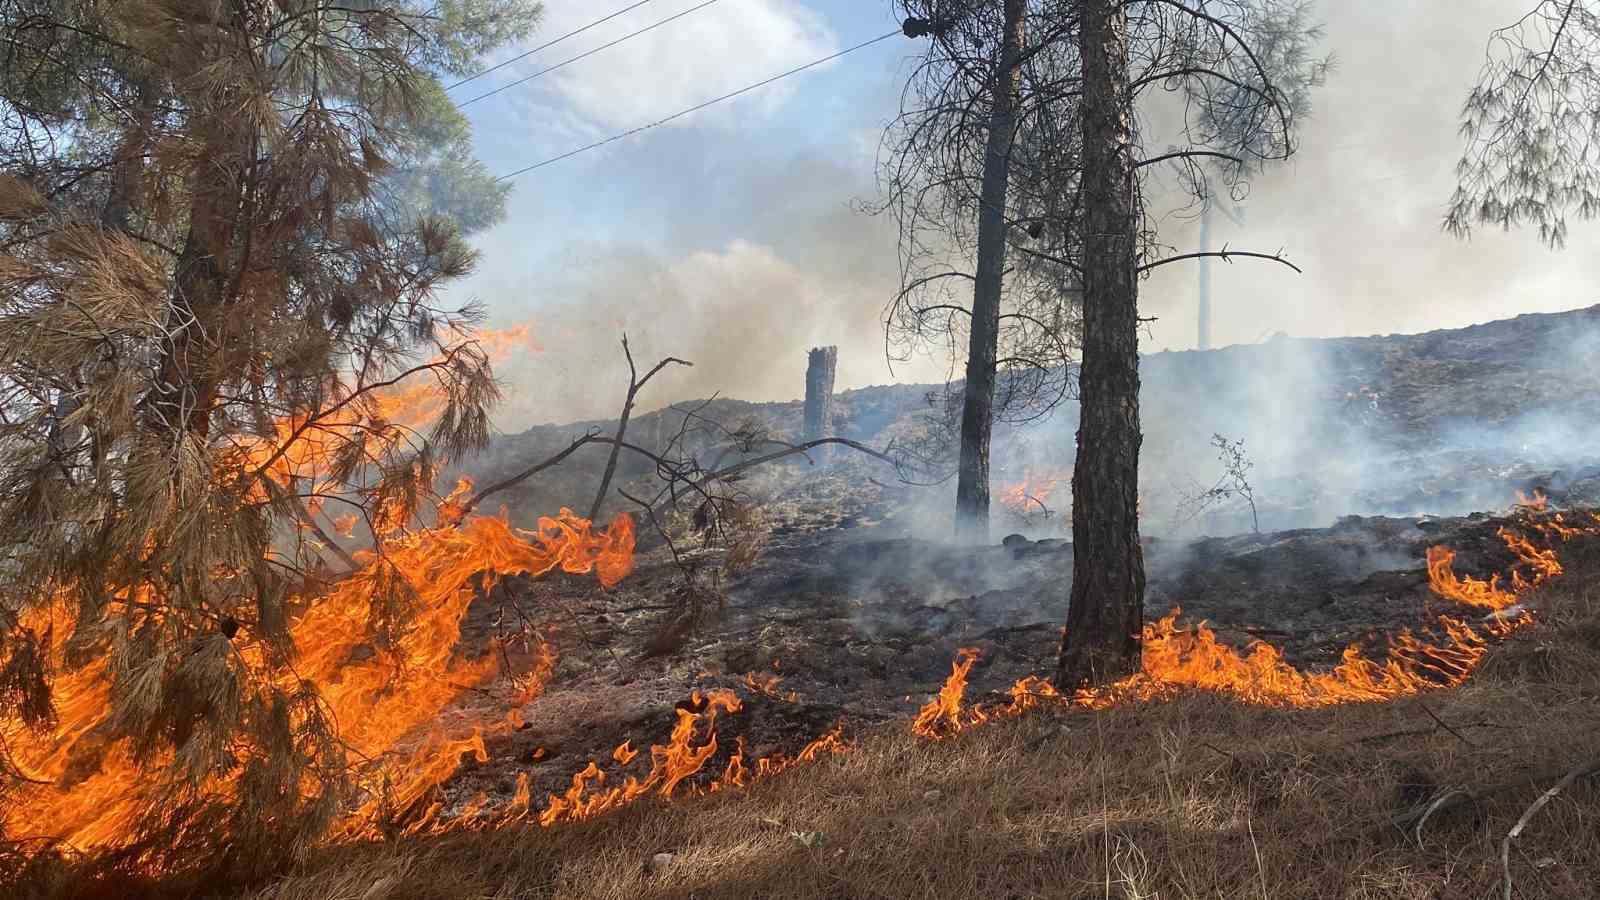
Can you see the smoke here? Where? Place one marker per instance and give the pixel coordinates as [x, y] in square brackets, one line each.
[1359, 206]
[1441, 423]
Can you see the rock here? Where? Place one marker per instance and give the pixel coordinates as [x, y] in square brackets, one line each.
[659, 862]
[1014, 540]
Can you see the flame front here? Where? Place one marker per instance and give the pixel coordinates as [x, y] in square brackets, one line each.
[90, 791]
[1176, 656]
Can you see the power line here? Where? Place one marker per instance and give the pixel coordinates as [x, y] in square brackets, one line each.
[546, 45]
[565, 62]
[698, 107]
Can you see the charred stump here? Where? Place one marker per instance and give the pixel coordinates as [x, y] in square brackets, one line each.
[819, 395]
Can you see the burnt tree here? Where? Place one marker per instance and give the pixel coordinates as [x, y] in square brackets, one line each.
[980, 170]
[1245, 71]
[820, 365]
[977, 395]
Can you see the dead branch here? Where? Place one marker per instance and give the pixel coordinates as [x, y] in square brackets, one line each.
[736, 468]
[1413, 820]
[635, 384]
[1413, 732]
[1188, 154]
[1226, 255]
[1589, 766]
[590, 438]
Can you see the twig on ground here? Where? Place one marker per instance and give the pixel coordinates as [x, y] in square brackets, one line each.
[1589, 766]
[1413, 820]
[1446, 726]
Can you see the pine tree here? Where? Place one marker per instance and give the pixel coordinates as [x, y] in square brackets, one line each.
[218, 266]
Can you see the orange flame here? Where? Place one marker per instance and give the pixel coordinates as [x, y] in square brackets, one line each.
[767, 685]
[378, 696]
[1537, 503]
[1191, 657]
[1034, 490]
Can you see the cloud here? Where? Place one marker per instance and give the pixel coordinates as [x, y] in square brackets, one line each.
[704, 54]
[740, 251]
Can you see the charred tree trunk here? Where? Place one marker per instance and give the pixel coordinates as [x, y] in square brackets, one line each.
[977, 396]
[820, 367]
[1105, 615]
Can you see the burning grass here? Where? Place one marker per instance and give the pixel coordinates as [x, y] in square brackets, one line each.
[1177, 659]
[1193, 794]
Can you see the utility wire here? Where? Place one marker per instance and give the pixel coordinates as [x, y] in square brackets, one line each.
[698, 107]
[588, 53]
[546, 44]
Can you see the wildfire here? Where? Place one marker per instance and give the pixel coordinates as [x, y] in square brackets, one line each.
[1177, 656]
[1537, 503]
[387, 700]
[1033, 492]
[378, 696]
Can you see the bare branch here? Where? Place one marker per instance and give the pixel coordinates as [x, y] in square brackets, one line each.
[1226, 256]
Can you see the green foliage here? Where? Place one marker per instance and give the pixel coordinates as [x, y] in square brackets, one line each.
[436, 174]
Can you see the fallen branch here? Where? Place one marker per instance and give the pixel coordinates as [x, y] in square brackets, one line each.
[1587, 767]
[1413, 820]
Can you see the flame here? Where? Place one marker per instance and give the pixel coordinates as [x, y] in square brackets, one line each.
[767, 685]
[1537, 503]
[388, 700]
[500, 344]
[681, 757]
[943, 714]
[1034, 490]
[379, 697]
[1176, 656]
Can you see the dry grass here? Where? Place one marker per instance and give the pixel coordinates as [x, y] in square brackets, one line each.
[1196, 797]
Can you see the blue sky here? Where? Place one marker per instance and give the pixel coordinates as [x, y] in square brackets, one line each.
[728, 237]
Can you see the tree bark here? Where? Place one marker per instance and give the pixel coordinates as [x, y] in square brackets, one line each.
[977, 396]
[1105, 615]
[193, 363]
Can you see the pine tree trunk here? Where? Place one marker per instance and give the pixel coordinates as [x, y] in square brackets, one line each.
[194, 360]
[977, 403]
[1106, 612]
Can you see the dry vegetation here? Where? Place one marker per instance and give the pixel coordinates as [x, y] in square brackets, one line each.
[1196, 797]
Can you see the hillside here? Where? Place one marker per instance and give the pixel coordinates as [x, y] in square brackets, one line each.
[1442, 422]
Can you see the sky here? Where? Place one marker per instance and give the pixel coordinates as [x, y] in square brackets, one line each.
[735, 238]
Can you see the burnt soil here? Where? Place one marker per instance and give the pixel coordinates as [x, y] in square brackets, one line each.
[861, 622]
